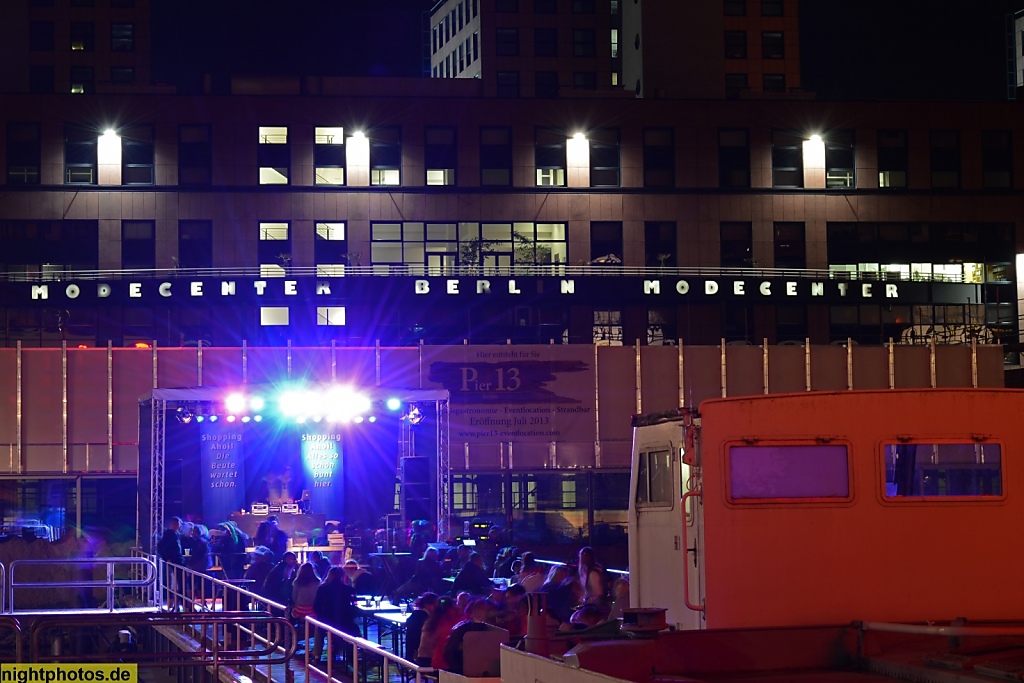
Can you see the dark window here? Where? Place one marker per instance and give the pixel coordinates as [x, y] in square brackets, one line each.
[737, 245]
[82, 3]
[660, 244]
[734, 8]
[787, 159]
[584, 80]
[386, 156]
[735, 44]
[840, 169]
[83, 38]
[733, 157]
[773, 45]
[545, 42]
[773, 82]
[788, 471]
[138, 245]
[496, 156]
[80, 145]
[735, 84]
[546, 83]
[997, 158]
[969, 468]
[501, 6]
[583, 6]
[606, 242]
[195, 244]
[440, 155]
[194, 154]
[584, 43]
[944, 146]
[550, 149]
[122, 37]
[122, 3]
[40, 36]
[83, 80]
[892, 158]
[137, 160]
[40, 78]
[506, 42]
[604, 158]
[771, 8]
[23, 153]
[545, 6]
[508, 83]
[122, 75]
[659, 157]
[790, 251]
[476, 46]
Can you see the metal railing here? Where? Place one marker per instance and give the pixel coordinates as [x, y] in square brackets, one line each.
[112, 583]
[475, 270]
[361, 653]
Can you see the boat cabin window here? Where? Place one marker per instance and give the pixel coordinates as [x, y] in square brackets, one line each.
[943, 469]
[654, 479]
[788, 471]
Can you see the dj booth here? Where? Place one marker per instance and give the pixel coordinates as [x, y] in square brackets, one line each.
[288, 522]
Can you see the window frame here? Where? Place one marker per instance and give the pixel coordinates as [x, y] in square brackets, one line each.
[831, 501]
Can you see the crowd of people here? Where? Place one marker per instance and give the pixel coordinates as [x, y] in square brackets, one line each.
[451, 594]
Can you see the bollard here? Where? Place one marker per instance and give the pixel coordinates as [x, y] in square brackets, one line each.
[536, 640]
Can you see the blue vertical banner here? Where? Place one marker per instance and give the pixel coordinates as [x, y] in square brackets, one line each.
[322, 463]
[222, 475]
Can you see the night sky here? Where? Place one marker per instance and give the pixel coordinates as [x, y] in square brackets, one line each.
[852, 49]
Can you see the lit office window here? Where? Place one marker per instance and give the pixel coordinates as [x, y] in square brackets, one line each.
[274, 155]
[122, 37]
[273, 316]
[330, 249]
[274, 249]
[386, 156]
[83, 36]
[330, 315]
[440, 155]
[329, 155]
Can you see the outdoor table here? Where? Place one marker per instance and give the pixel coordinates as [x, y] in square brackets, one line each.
[368, 607]
[392, 624]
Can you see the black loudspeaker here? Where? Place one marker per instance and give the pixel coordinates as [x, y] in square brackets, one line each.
[305, 495]
[417, 470]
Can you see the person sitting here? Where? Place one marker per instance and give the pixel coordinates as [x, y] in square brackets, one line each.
[422, 608]
[426, 578]
[269, 534]
[360, 579]
[259, 566]
[277, 587]
[473, 578]
[620, 597]
[303, 593]
[531, 575]
[479, 614]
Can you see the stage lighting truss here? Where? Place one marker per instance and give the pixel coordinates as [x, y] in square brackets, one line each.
[334, 404]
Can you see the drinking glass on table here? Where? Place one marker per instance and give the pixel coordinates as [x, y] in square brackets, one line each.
[403, 607]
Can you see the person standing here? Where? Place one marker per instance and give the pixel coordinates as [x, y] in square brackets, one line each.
[169, 550]
[269, 534]
[591, 576]
[334, 604]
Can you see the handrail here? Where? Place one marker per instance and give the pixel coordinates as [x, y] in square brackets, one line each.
[474, 270]
[10, 623]
[111, 583]
[3, 589]
[686, 545]
[278, 647]
[358, 644]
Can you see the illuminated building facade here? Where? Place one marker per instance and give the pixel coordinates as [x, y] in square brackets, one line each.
[322, 215]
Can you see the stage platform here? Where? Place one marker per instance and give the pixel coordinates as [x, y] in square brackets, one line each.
[288, 522]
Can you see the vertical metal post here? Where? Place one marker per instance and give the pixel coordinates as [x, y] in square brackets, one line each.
[892, 365]
[723, 377]
[376, 361]
[974, 363]
[334, 360]
[931, 363]
[199, 363]
[682, 376]
[807, 363]
[64, 405]
[597, 410]
[639, 381]
[764, 366]
[444, 473]
[110, 406]
[18, 410]
[849, 363]
[245, 363]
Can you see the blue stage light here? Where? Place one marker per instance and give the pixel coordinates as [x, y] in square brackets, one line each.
[394, 404]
